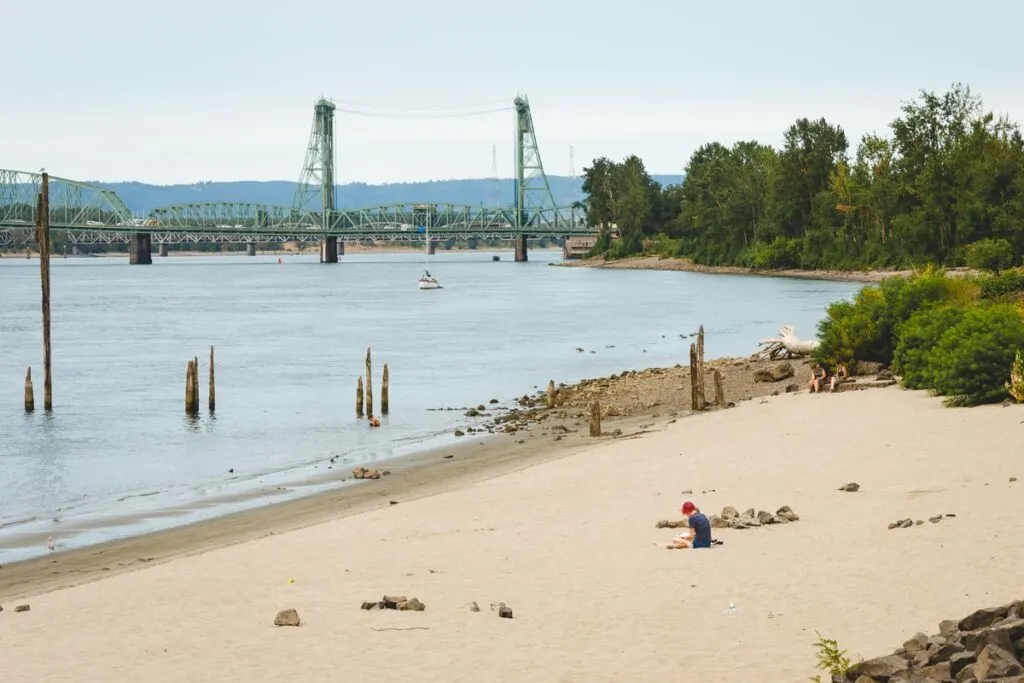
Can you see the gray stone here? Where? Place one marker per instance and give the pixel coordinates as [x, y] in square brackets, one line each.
[995, 662]
[765, 517]
[287, 617]
[729, 512]
[411, 605]
[787, 514]
[983, 618]
[852, 487]
[881, 667]
[958, 662]
[22, 608]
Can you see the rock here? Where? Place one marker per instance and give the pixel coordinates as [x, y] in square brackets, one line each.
[983, 618]
[717, 522]
[935, 519]
[917, 643]
[881, 667]
[947, 627]
[365, 473]
[472, 413]
[287, 617]
[958, 663]
[729, 512]
[792, 388]
[411, 605]
[786, 513]
[775, 374]
[884, 375]
[504, 611]
[493, 401]
[995, 662]
[22, 608]
[852, 487]
[866, 367]
[936, 672]
[765, 517]
[473, 607]
[370, 605]
[459, 432]
[391, 601]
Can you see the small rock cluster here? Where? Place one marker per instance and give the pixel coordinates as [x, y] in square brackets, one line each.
[907, 523]
[367, 473]
[17, 608]
[852, 487]
[984, 647]
[731, 518]
[398, 602]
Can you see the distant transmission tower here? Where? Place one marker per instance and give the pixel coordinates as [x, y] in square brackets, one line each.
[495, 195]
[317, 178]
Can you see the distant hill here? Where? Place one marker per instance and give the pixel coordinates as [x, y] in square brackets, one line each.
[142, 198]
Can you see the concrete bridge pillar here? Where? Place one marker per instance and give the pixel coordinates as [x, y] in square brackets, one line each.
[250, 249]
[521, 249]
[432, 247]
[341, 247]
[163, 248]
[329, 250]
[140, 249]
[472, 242]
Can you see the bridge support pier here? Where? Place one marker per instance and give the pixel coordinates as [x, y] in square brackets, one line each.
[140, 249]
[432, 247]
[521, 249]
[163, 248]
[329, 250]
[472, 243]
[250, 248]
[341, 247]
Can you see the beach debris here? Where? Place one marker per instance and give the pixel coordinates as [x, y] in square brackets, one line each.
[731, 608]
[50, 544]
[22, 608]
[287, 617]
[786, 345]
[987, 645]
[852, 487]
[774, 374]
[365, 473]
[503, 610]
[395, 602]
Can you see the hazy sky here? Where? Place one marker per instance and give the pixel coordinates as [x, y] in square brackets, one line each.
[181, 91]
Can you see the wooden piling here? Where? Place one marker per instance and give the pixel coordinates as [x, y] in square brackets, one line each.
[694, 384]
[43, 237]
[30, 396]
[702, 396]
[716, 375]
[551, 393]
[595, 418]
[188, 387]
[359, 397]
[369, 384]
[195, 384]
[384, 392]
[213, 390]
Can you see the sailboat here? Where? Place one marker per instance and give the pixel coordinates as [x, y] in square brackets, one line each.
[428, 281]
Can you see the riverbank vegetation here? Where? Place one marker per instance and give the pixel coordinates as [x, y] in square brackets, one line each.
[945, 186]
[961, 338]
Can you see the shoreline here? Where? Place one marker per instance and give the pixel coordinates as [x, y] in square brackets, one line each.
[497, 441]
[688, 266]
[308, 251]
[570, 540]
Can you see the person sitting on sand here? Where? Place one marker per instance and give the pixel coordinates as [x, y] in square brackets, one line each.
[699, 533]
[841, 374]
[818, 378]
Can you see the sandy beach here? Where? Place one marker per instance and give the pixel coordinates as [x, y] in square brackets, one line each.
[566, 538]
[686, 265]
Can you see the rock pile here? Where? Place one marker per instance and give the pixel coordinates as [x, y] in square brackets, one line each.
[986, 646]
[367, 473]
[731, 518]
[398, 602]
[907, 523]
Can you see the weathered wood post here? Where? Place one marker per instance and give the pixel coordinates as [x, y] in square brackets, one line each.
[359, 397]
[188, 387]
[384, 392]
[369, 384]
[702, 395]
[694, 383]
[551, 393]
[30, 396]
[716, 375]
[595, 418]
[43, 237]
[195, 384]
[213, 390]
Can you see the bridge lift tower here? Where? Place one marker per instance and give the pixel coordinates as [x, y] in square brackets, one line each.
[317, 177]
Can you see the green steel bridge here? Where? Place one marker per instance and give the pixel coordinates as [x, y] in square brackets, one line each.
[92, 215]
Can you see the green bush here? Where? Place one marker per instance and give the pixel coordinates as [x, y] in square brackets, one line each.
[779, 253]
[867, 328]
[971, 362]
[1007, 284]
[917, 337]
[990, 254]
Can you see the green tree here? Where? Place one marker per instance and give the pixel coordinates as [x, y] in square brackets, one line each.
[990, 254]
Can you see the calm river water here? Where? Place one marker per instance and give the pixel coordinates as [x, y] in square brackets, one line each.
[118, 456]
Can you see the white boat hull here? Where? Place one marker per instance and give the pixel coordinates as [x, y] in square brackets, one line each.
[429, 284]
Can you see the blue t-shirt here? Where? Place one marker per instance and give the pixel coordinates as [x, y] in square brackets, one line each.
[701, 526]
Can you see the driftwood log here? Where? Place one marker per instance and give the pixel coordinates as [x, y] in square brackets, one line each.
[786, 345]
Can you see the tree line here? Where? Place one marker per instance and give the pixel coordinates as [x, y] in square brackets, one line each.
[945, 186]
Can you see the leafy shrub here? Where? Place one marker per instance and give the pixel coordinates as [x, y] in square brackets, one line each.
[830, 658]
[779, 253]
[1008, 284]
[972, 361]
[867, 328]
[917, 337]
[990, 254]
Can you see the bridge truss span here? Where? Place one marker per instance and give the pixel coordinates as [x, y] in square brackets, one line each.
[72, 203]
